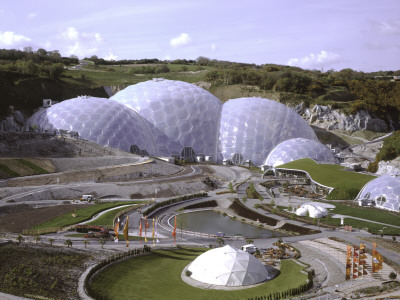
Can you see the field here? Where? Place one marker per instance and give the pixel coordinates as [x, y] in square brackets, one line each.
[132, 279]
[107, 218]
[82, 214]
[23, 273]
[347, 184]
[124, 75]
[10, 167]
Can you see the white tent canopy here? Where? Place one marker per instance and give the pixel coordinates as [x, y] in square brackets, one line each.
[228, 266]
[314, 211]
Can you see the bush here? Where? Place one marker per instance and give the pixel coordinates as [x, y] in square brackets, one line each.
[188, 273]
[392, 275]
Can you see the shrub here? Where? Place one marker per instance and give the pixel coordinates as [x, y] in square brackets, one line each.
[188, 273]
[392, 275]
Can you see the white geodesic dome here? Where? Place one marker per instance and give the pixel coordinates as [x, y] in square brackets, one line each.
[298, 148]
[313, 211]
[251, 127]
[384, 191]
[182, 117]
[100, 120]
[228, 266]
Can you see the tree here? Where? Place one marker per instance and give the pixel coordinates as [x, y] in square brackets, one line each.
[68, 243]
[41, 52]
[244, 199]
[102, 242]
[86, 242]
[230, 186]
[51, 241]
[260, 198]
[249, 241]
[20, 239]
[37, 239]
[220, 241]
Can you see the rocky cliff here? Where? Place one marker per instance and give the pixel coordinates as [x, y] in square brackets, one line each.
[327, 118]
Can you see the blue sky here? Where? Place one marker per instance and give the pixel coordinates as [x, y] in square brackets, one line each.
[313, 34]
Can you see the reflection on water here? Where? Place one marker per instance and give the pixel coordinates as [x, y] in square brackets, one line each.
[212, 222]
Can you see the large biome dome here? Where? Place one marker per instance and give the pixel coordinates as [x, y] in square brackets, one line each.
[228, 266]
[298, 148]
[384, 191]
[100, 120]
[251, 127]
[183, 117]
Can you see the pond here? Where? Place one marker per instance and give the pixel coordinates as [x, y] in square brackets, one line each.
[209, 221]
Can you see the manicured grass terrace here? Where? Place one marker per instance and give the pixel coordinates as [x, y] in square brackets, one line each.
[83, 214]
[107, 218]
[158, 276]
[347, 184]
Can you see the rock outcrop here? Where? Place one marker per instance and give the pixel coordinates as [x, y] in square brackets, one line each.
[391, 167]
[111, 90]
[14, 122]
[325, 117]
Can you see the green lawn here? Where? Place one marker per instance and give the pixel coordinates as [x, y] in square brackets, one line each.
[373, 214]
[347, 184]
[95, 76]
[83, 214]
[107, 218]
[158, 276]
[372, 227]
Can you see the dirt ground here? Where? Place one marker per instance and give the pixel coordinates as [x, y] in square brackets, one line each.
[24, 217]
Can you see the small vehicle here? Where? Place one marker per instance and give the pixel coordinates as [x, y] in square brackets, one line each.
[250, 248]
[87, 198]
[220, 234]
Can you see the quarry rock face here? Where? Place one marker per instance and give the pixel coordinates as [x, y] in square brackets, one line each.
[391, 167]
[325, 117]
[14, 122]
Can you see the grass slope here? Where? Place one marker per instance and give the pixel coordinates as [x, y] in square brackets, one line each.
[107, 218]
[83, 214]
[347, 184]
[158, 276]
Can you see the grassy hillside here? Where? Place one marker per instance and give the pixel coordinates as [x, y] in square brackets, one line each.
[346, 184]
[10, 167]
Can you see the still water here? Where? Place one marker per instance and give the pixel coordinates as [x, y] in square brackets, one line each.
[211, 222]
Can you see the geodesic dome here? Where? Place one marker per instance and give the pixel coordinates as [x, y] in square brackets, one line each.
[298, 148]
[384, 191]
[183, 117]
[251, 127]
[229, 267]
[100, 120]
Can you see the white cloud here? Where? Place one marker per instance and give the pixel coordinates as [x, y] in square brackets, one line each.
[387, 28]
[11, 39]
[213, 47]
[32, 15]
[98, 37]
[182, 40]
[81, 43]
[110, 56]
[315, 60]
[70, 34]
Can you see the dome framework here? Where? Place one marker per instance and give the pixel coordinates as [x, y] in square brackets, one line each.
[251, 127]
[182, 117]
[299, 148]
[227, 266]
[383, 192]
[100, 120]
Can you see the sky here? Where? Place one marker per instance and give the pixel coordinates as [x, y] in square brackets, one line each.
[312, 34]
